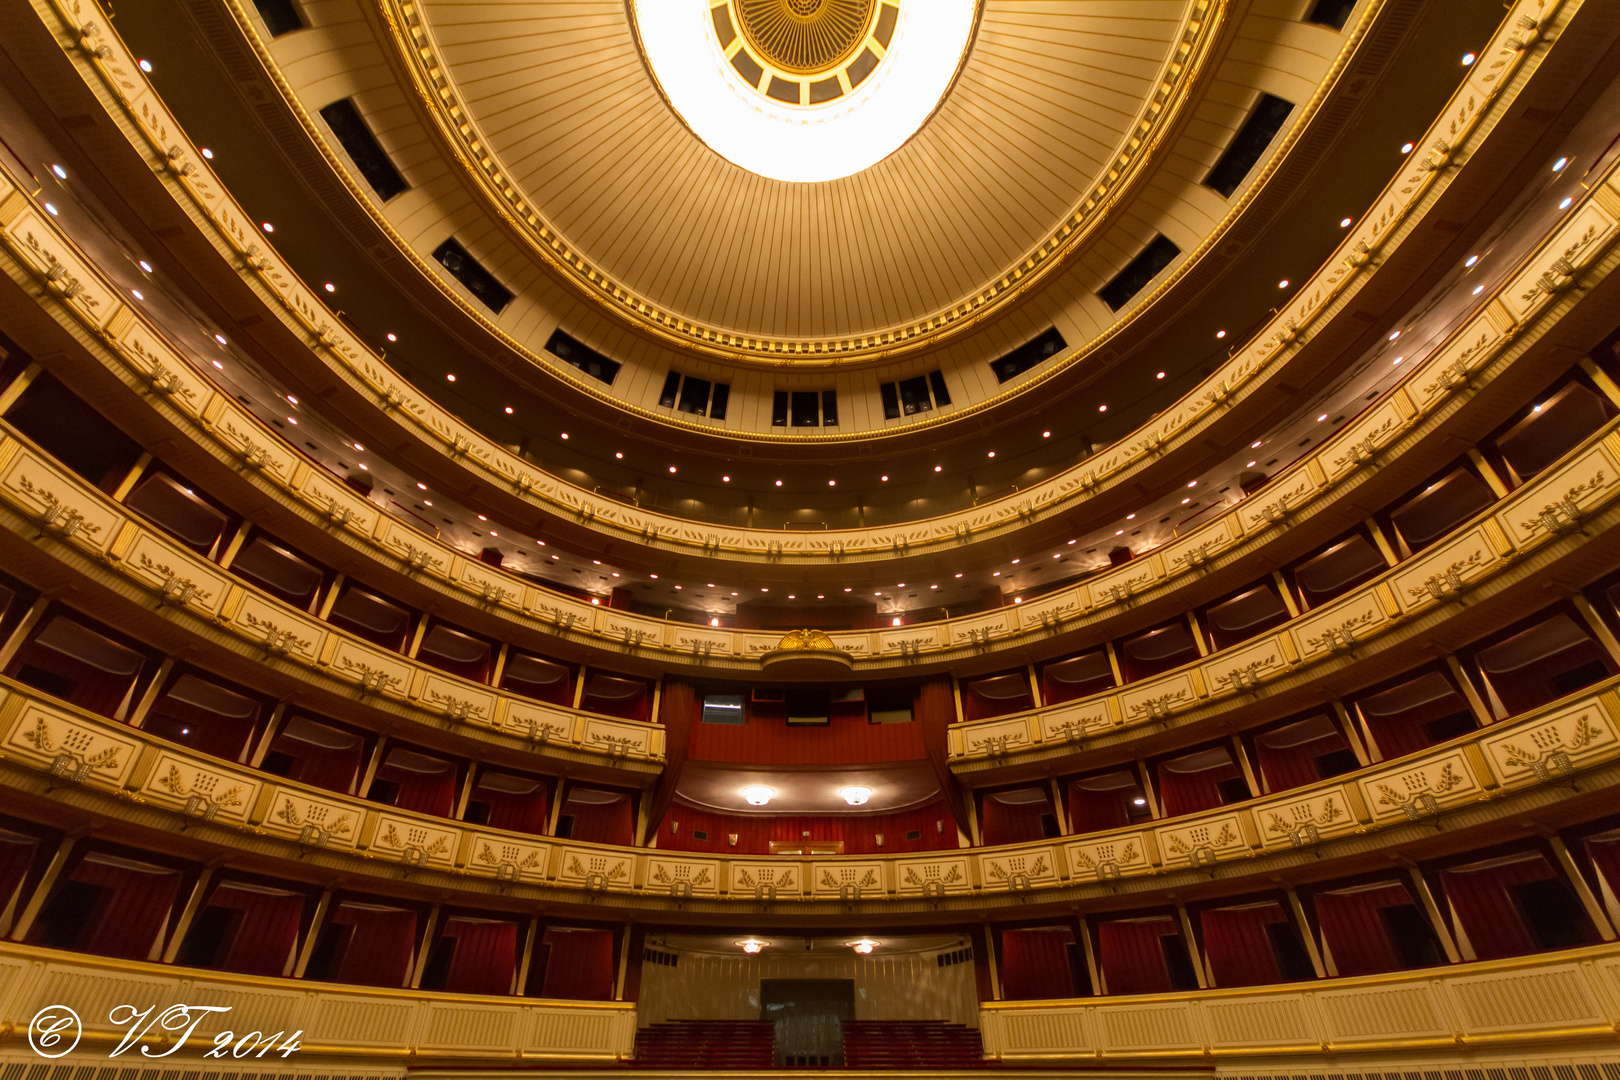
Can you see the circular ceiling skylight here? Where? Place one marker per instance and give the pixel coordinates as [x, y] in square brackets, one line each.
[804, 90]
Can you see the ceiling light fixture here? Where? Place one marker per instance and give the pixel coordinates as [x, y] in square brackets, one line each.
[758, 794]
[752, 946]
[863, 946]
[804, 144]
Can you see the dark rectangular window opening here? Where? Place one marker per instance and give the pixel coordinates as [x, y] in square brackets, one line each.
[1334, 13]
[936, 382]
[666, 396]
[280, 16]
[722, 398]
[1251, 140]
[1026, 356]
[356, 137]
[779, 409]
[695, 396]
[914, 396]
[1159, 253]
[1178, 963]
[1233, 790]
[1551, 913]
[891, 401]
[829, 408]
[471, 273]
[806, 411]
[1411, 935]
[572, 351]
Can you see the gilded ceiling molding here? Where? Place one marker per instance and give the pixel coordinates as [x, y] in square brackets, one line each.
[1199, 34]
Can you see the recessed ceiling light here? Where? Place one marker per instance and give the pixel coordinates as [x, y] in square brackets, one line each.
[291, 400]
[763, 589]
[393, 337]
[61, 173]
[849, 590]
[1256, 444]
[220, 338]
[1344, 223]
[1121, 532]
[1128, 517]
[832, 483]
[358, 447]
[1283, 284]
[1160, 375]
[939, 468]
[1046, 434]
[1184, 502]
[710, 585]
[145, 266]
[1394, 335]
[725, 479]
[1192, 483]
[996, 574]
[329, 287]
[421, 487]
[291, 421]
[653, 576]
[1396, 362]
[1564, 204]
[672, 468]
[779, 483]
[757, 794]
[1558, 166]
[1321, 418]
[1102, 408]
[716, 622]
[219, 365]
[1220, 333]
[821, 596]
[565, 434]
[144, 65]
[1468, 59]
[1250, 465]
[1478, 289]
[136, 293]
[509, 410]
[1407, 148]
[450, 377]
[885, 479]
[958, 575]
[618, 455]
[991, 454]
[266, 226]
[895, 621]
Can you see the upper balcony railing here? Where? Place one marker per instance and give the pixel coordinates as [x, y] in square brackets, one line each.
[1491, 85]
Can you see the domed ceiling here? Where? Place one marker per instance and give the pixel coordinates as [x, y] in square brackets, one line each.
[1049, 103]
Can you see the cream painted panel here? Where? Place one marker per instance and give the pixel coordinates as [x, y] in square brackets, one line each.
[1244, 667]
[1404, 791]
[200, 792]
[1367, 436]
[63, 272]
[47, 496]
[178, 578]
[1224, 837]
[1276, 1020]
[1574, 490]
[1373, 1013]
[1156, 699]
[507, 857]
[1298, 819]
[1340, 625]
[1074, 720]
[596, 868]
[412, 841]
[831, 879]
[1567, 738]
[1446, 571]
[282, 631]
[1554, 269]
[66, 746]
[297, 813]
[458, 699]
[673, 873]
[1116, 855]
[760, 878]
[1027, 867]
[949, 873]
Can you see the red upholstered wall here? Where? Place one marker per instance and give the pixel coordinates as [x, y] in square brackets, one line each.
[579, 965]
[267, 931]
[846, 740]
[1239, 950]
[858, 831]
[1355, 933]
[1131, 957]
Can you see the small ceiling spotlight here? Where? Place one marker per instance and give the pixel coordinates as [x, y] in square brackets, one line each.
[758, 794]
[855, 795]
[863, 946]
[752, 945]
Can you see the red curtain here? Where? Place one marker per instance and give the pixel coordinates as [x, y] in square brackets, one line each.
[424, 792]
[581, 965]
[859, 832]
[518, 813]
[1098, 811]
[485, 957]
[1294, 766]
[1403, 733]
[602, 823]
[1355, 934]
[1604, 852]
[330, 768]
[1011, 823]
[1035, 965]
[677, 711]
[17, 854]
[266, 933]
[1238, 947]
[205, 730]
[1132, 957]
[133, 909]
[1190, 792]
[381, 948]
[1486, 909]
[934, 707]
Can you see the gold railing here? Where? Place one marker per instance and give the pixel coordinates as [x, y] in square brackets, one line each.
[219, 800]
[1526, 1003]
[392, 1026]
[1546, 285]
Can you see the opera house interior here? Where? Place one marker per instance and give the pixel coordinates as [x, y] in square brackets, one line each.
[1064, 537]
